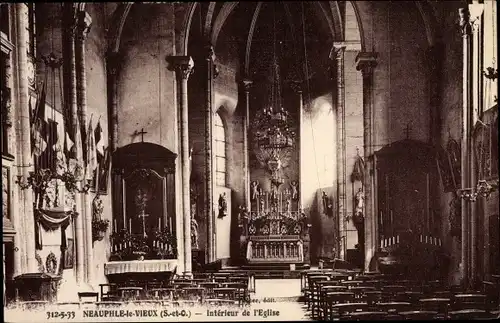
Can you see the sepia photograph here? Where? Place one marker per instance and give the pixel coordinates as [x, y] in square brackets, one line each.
[250, 161]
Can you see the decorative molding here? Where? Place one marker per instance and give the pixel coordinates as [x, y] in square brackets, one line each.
[183, 65]
[6, 44]
[366, 62]
[83, 24]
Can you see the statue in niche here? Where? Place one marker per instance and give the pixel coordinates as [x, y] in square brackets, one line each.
[222, 205]
[327, 204]
[255, 190]
[295, 190]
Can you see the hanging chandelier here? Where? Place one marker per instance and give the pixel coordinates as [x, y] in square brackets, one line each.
[272, 126]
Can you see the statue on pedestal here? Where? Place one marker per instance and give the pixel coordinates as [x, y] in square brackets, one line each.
[222, 205]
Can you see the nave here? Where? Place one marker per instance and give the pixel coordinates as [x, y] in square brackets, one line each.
[319, 294]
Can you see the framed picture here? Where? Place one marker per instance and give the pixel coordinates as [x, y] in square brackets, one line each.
[101, 174]
[69, 254]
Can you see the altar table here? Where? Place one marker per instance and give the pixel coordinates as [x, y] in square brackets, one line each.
[140, 266]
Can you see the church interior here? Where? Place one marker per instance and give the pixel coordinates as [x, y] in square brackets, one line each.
[338, 157]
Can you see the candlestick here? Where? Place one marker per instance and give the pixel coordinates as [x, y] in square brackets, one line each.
[159, 224]
[170, 224]
[115, 228]
[130, 226]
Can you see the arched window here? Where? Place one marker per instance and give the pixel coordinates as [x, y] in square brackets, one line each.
[220, 151]
[490, 48]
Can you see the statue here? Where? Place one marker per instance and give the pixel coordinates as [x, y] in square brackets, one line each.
[194, 232]
[222, 205]
[327, 204]
[255, 190]
[359, 202]
[295, 190]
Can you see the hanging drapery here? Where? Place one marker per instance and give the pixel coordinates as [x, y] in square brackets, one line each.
[50, 221]
[358, 172]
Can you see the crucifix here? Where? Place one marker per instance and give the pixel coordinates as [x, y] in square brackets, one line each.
[143, 216]
[407, 131]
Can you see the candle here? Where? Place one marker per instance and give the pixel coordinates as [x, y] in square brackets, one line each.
[170, 223]
[130, 226]
[115, 227]
[159, 224]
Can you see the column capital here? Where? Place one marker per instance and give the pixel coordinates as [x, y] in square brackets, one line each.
[209, 50]
[296, 86]
[182, 65]
[83, 23]
[475, 10]
[366, 62]
[247, 84]
[338, 48]
[464, 21]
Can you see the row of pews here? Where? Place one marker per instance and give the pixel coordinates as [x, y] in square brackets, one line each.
[209, 289]
[351, 295]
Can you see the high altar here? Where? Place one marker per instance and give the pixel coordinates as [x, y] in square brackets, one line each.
[275, 229]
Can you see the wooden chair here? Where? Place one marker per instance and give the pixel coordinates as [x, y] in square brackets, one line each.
[418, 315]
[221, 302]
[332, 298]
[389, 292]
[109, 304]
[411, 297]
[196, 294]
[470, 314]
[313, 290]
[225, 293]
[395, 307]
[109, 292]
[131, 293]
[161, 293]
[469, 301]
[372, 297]
[342, 310]
[439, 305]
[366, 316]
[91, 297]
[359, 291]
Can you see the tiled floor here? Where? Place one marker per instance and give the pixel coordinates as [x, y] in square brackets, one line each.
[274, 300]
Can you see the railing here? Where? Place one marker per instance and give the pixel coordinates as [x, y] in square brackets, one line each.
[286, 249]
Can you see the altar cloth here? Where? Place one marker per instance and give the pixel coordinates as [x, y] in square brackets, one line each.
[140, 266]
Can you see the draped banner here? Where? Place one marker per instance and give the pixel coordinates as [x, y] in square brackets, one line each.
[52, 220]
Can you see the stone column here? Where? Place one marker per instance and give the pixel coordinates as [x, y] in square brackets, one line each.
[337, 56]
[71, 102]
[184, 67]
[83, 27]
[301, 146]
[366, 62]
[476, 11]
[8, 117]
[246, 127]
[209, 165]
[25, 138]
[113, 63]
[466, 149]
